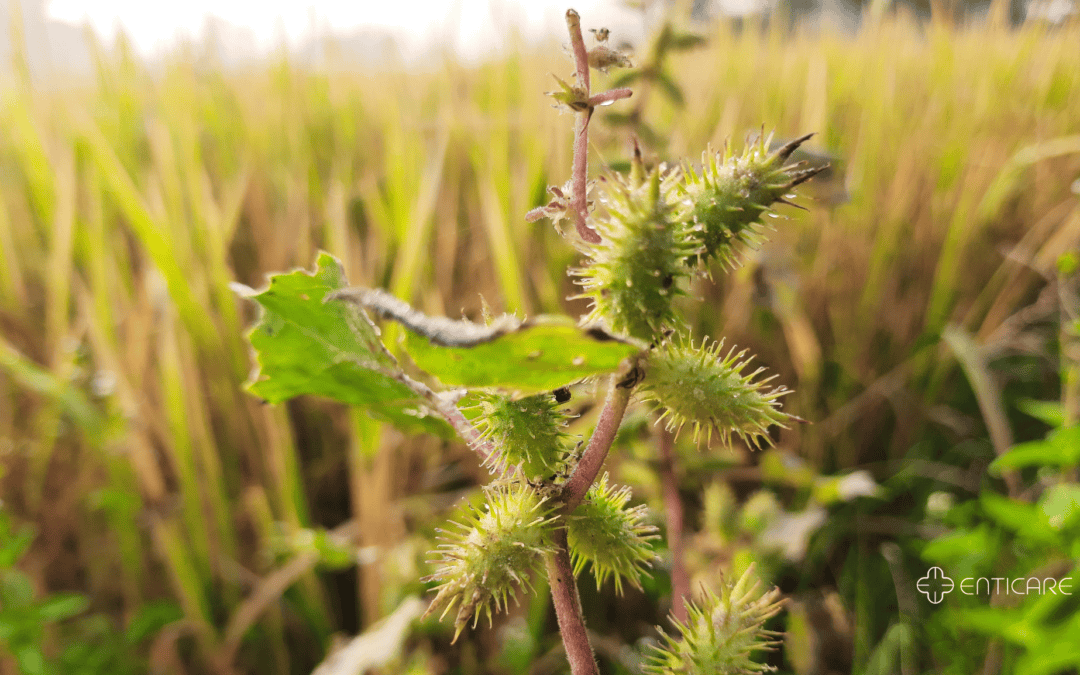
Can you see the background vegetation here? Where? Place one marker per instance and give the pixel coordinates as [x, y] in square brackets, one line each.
[157, 518]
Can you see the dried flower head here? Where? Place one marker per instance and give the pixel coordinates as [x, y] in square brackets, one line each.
[603, 58]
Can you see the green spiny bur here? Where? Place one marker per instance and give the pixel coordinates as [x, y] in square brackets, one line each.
[613, 539]
[732, 193]
[699, 386]
[635, 273]
[720, 633]
[494, 551]
[527, 433]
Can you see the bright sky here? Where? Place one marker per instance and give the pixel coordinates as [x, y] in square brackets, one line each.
[474, 25]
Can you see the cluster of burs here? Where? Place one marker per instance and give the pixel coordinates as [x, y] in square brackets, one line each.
[660, 228]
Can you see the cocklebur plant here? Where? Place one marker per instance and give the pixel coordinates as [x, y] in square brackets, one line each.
[502, 386]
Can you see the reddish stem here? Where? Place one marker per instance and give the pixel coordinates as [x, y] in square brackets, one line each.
[610, 96]
[581, 54]
[680, 580]
[580, 172]
[564, 594]
[589, 466]
[449, 412]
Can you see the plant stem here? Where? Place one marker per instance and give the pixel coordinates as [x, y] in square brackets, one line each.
[610, 96]
[579, 174]
[589, 466]
[564, 594]
[564, 591]
[449, 412]
[680, 580]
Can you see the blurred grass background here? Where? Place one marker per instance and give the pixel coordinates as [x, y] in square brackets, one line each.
[193, 518]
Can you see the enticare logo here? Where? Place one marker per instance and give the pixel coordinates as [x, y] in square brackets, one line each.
[936, 585]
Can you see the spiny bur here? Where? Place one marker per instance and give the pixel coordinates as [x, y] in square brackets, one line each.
[732, 193]
[721, 633]
[702, 387]
[495, 551]
[527, 433]
[635, 273]
[613, 539]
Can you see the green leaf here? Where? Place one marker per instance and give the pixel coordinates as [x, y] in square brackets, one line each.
[1061, 448]
[1023, 519]
[684, 41]
[62, 606]
[150, 619]
[1051, 413]
[307, 346]
[1061, 505]
[626, 79]
[16, 590]
[964, 552]
[333, 554]
[539, 354]
[545, 353]
[13, 544]
[31, 660]
[671, 89]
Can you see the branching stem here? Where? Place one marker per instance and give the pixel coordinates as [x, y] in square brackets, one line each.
[564, 592]
[449, 412]
[610, 96]
[592, 460]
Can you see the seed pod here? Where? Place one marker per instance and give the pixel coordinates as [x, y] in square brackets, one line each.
[697, 385]
[721, 633]
[613, 539]
[733, 192]
[495, 551]
[527, 432]
[635, 272]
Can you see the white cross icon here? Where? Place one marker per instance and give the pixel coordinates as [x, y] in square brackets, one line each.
[935, 585]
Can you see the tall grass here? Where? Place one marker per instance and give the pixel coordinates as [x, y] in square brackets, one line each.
[130, 202]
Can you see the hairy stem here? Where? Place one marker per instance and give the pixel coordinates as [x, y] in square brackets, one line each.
[680, 580]
[577, 43]
[449, 412]
[579, 174]
[610, 96]
[585, 472]
[564, 591]
[564, 594]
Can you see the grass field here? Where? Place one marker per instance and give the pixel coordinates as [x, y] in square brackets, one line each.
[190, 515]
